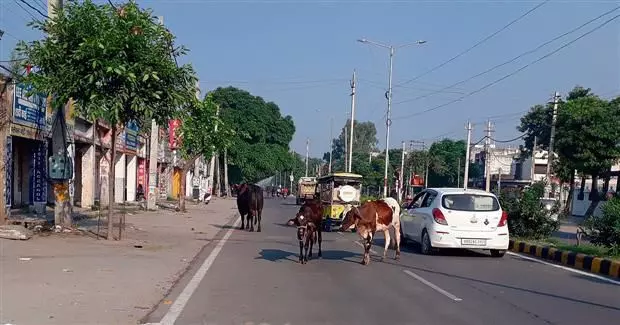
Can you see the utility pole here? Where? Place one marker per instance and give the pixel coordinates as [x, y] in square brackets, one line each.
[550, 156]
[212, 162]
[352, 123]
[307, 154]
[487, 157]
[426, 166]
[401, 177]
[533, 170]
[151, 203]
[458, 177]
[346, 148]
[331, 146]
[499, 182]
[467, 150]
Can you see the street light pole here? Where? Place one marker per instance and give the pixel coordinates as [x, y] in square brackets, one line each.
[388, 95]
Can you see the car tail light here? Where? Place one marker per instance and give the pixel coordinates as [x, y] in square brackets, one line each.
[439, 217]
[503, 220]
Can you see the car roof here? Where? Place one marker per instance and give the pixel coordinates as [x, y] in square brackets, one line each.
[458, 190]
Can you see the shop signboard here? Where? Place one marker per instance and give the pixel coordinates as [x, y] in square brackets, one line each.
[38, 168]
[30, 110]
[131, 136]
[141, 177]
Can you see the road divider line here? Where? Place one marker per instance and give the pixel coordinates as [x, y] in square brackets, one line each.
[566, 268]
[362, 245]
[179, 303]
[435, 287]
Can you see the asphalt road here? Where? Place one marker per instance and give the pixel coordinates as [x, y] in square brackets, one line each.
[256, 279]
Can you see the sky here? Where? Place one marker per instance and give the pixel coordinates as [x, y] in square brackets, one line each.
[301, 55]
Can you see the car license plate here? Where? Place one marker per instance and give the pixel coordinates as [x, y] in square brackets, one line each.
[474, 242]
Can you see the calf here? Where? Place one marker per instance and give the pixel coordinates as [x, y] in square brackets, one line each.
[373, 216]
[309, 221]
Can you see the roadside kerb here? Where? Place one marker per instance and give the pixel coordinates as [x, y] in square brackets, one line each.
[574, 260]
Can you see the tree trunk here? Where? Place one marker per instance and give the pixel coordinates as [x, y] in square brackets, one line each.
[111, 181]
[227, 187]
[568, 206]
[582, 188]
[186, 166]
[217, 176]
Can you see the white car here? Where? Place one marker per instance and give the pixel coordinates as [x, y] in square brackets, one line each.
[456, 218]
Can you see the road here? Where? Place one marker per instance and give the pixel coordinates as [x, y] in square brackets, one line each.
[256, 279]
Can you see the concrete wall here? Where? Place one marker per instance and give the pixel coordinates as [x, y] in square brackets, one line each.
[132, 169]
[119, 181]
[104, 167]
[88, 176]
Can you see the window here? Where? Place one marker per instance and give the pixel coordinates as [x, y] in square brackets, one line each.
[417, 200]
[470, 202]
[429, 199]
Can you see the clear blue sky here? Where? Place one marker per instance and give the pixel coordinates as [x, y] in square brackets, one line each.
[300, 54]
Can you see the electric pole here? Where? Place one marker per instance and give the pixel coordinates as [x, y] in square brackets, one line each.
[426, 166]
[487, 157]
[346, 148]
[550, 156]
[458, 177]
[212, 162]
[331, 146]
[352, 122]
[467, 150]
[151, 203]
[401, 175]
[499, 182]
[307, 154]
[533, 170]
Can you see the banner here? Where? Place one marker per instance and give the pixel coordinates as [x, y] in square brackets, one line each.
[8, 182]
[37, 173]
[173, 130]
[29, 111]
[141, 177]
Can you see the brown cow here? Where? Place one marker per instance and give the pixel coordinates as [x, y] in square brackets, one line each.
[309, 221]
[371, 217]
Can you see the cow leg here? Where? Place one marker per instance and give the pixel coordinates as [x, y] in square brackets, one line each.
[386, 235]
[311, 240]
[250, 219]
[259, 220]
[397, 235]
[307, 247]
[320, 239]
[301, 252]
[367, 245]
[242, 221]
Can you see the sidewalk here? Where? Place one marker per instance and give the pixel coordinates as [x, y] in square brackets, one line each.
[568, 230]
[72, 278]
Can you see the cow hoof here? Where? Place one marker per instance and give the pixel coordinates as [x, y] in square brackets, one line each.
[251, 229]
[241, 228]
[363, 262]
[258, 230]
[320, 254]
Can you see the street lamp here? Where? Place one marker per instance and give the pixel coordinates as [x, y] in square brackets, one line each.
[388, 95]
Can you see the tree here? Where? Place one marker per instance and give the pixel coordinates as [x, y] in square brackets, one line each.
[364, 140]
[116, 64]
[262, 145]
[202, 134]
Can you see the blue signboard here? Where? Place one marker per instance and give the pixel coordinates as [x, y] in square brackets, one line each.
[8, 182]
[131, 136]
[29, 110]
[38, 169]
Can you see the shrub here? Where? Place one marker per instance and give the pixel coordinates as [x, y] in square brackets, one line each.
[526, 216]
[365, 198]
[605, 230]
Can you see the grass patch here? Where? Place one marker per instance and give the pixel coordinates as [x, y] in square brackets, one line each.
[587, 249]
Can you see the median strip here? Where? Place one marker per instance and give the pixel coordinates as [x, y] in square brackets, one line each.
[598, 265]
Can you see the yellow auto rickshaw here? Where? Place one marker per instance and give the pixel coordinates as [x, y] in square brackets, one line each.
[336, 191]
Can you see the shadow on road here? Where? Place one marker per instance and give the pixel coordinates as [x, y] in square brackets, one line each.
[454, 276]
[276, 255]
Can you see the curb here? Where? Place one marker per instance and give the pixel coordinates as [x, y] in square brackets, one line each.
[578, 261]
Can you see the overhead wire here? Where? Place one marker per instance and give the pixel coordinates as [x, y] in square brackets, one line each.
[514, 72]
[24, 9]
[33, 8]
[514, 58]
[478, 43]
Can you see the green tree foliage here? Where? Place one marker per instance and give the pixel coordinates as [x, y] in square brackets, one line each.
[526, 217]
[364, 140]
[261, 146]
[117, 64]
[202, 133]
[605, 230]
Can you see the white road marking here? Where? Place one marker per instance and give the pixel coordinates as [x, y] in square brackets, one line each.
[592, 275]
[438, 289]
[362, 245]
[179, 303]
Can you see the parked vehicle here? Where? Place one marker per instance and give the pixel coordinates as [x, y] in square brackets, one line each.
[456, 218]
[337, 191]
[306, 189]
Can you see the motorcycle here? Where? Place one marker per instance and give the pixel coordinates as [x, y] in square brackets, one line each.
[207, 198]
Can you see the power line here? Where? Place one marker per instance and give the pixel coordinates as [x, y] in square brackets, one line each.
[34, 8]
[513, 59]
[511, 140]
[26, 10]
[514, 72]
[477, 44]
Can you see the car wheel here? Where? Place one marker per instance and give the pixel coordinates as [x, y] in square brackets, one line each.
[426, 247]
[498, 252]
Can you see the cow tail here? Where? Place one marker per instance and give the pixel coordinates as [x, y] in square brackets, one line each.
[256, 209]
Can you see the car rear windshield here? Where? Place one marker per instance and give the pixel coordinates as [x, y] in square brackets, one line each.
[470, 202]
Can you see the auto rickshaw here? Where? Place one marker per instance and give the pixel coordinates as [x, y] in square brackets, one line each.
[336, 191]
